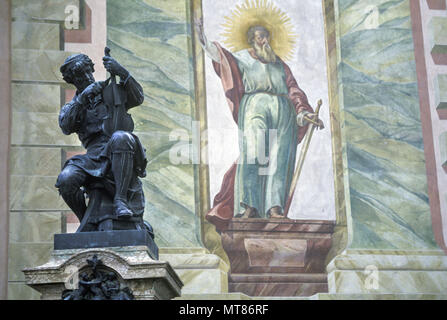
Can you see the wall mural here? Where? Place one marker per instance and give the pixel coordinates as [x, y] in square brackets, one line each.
[291, 84]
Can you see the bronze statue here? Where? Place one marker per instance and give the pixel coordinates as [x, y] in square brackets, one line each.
[115, 159]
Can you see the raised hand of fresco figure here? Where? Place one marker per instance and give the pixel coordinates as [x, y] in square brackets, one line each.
[198, 24]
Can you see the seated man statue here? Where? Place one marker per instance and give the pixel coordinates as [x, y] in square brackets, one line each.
[115, 157]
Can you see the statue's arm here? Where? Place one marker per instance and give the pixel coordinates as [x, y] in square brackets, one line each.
[134, 91]
[135, 95]
[70, 116]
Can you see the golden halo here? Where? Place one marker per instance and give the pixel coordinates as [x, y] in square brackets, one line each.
[262, 13]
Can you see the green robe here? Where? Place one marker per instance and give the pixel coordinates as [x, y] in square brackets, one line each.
[265, 106]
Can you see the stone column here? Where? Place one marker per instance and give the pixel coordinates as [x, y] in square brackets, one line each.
[5, 128]
[391, 248]
[37, 142]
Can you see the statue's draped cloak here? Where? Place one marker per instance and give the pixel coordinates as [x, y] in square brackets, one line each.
[232, 82]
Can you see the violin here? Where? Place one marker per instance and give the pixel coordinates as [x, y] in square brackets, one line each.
[115, 100]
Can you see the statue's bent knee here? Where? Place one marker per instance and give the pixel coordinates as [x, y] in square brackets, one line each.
[70, 179]
[122, 141]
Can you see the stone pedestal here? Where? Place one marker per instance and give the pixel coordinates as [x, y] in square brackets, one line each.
[148, 279]
[277, 257]
[106, 239]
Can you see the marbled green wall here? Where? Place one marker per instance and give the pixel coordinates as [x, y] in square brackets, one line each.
[153, 40]
[382, 133]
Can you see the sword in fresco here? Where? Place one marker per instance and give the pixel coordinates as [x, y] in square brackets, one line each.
[305, 147]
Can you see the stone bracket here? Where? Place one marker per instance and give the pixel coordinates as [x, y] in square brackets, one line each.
[147, 278]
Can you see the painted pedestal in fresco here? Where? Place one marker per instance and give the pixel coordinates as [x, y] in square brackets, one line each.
[277, 257]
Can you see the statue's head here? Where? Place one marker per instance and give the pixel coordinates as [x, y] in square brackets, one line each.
[78, 70]
[259, 38]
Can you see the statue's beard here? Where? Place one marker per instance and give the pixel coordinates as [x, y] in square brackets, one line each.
[82, 82]
[265, 53]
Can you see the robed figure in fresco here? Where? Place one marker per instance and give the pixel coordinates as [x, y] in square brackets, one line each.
[265, 100]
[115, 157]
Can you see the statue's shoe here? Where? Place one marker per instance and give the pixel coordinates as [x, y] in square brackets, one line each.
[122, 210]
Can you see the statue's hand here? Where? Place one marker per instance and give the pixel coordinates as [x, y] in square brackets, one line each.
[91, 91]
[114, 67]
[198, 24]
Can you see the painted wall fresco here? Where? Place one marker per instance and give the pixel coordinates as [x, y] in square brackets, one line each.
[383, 135]
[152, 39]
[314, 196]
